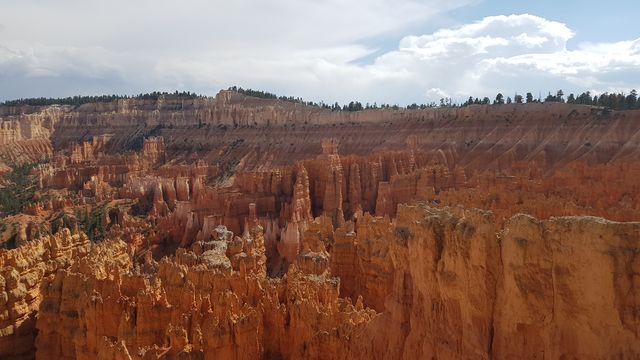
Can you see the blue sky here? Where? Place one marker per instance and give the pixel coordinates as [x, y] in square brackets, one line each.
[392, 51]
[593, 21]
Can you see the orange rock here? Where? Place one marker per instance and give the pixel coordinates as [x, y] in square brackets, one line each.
[244, 228]
[23, 271]
[211, 301]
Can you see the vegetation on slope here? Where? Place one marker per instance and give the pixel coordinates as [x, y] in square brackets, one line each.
[18, 191]
[92, 223]
[614, 101]
[79, 100]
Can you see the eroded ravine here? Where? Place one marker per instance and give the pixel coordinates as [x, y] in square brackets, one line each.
[243, 228]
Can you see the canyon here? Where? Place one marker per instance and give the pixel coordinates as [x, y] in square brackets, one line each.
[236, 227]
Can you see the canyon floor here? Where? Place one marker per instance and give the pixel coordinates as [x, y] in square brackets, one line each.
[242, 228]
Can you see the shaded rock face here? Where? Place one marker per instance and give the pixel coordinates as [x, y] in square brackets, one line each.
[245, 228]
[449, 287]
[569, 289]
[442, 283]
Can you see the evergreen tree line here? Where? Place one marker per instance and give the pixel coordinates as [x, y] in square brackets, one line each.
[351, 106]
[80, 100]
[267, 95]
[614, 101]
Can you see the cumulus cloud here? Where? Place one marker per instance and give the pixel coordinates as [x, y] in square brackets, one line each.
[514, 53]
[308, 48]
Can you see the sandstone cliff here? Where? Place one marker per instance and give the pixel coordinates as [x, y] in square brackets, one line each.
[241, 228]
[212, 301]
[23, 271]
[560, 288]
[232, 126]
[442, 283]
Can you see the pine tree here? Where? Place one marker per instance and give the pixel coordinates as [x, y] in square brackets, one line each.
[632, 99]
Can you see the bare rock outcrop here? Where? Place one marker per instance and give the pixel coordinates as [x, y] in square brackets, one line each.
[243, 228]
[23, 271]
[559, 288]
[569, 289]
[212, 301]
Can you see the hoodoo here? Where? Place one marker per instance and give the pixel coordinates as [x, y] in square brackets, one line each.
[238, 227]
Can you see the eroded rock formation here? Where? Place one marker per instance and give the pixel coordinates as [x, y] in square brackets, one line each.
[23, 271]
[213, 300]
[441, 283]
[242, 228]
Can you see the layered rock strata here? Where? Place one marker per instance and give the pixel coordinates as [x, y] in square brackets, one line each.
[211, 301]
[442, 283]
[359, 237]
[258, 132]
[23, 272]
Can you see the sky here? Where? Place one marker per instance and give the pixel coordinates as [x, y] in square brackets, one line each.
[382, 51]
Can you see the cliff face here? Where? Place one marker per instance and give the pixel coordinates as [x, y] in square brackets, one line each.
[211, 301]
[267, 132]
[569, 288]
[443, 284]
[21, 127]
[26, 137]
[244, 228]
[460, 290]
[23, 271]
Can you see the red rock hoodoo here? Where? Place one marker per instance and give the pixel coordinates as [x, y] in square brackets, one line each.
[243, 228]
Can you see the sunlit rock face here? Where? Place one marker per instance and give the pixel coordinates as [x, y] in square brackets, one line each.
[24, 272]
[242, 228]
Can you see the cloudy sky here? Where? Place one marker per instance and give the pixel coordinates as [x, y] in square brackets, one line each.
[391, 51]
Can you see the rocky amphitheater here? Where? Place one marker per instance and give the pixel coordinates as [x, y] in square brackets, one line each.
[242, 228]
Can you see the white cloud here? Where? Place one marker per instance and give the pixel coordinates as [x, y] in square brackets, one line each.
[198, 44]
[508, 54]
[38, 60]
[530, 41]
[435, 93]
[304, 48]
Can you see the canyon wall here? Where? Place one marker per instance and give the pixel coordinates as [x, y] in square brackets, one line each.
[242, 228]
[443, 284]
[259, 132]
[450, 287]
[23, 271]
